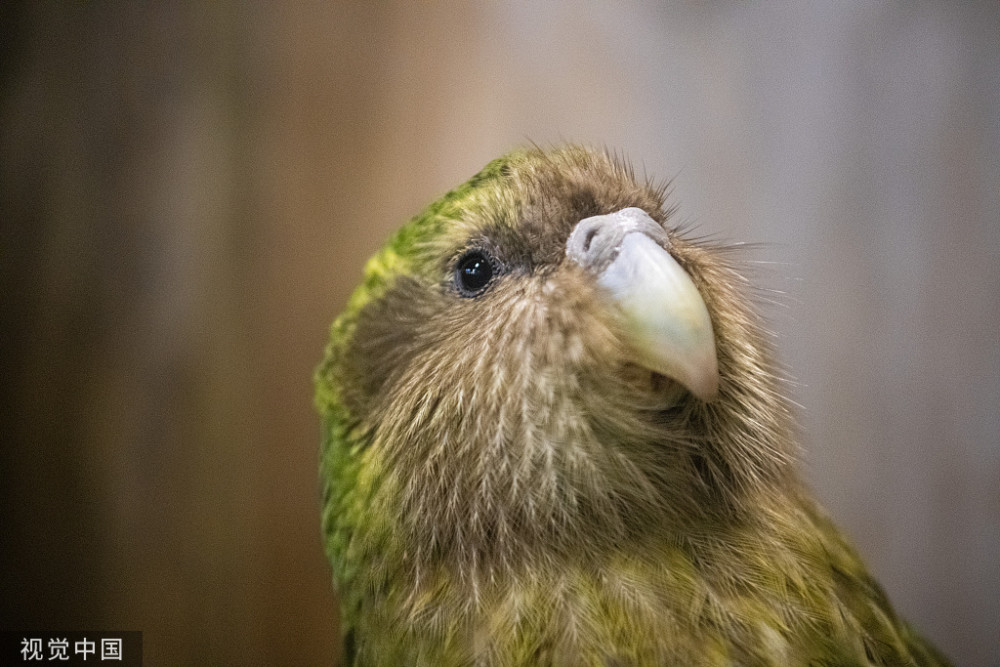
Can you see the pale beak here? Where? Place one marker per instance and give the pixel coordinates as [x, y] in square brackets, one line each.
[666, 319]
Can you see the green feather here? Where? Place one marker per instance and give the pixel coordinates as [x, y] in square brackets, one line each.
[501, 486]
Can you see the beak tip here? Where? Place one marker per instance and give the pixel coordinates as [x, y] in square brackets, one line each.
[703, 381]
[709, 392]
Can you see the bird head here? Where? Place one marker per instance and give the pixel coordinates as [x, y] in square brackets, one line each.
[543, 360]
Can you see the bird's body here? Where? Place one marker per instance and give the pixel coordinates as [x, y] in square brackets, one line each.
[553, 435]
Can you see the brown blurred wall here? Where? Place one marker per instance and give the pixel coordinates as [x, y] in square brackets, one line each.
[167, 190]
[188, 192]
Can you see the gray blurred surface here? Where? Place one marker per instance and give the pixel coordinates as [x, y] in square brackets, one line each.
[189, 192]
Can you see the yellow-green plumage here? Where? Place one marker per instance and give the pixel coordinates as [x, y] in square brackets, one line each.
[507, 483]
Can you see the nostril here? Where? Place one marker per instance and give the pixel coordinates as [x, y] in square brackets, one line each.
[595, 241]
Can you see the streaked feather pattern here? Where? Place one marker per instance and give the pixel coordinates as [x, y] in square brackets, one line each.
[503, 486]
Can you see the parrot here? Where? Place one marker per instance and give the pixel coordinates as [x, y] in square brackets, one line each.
[554, 432]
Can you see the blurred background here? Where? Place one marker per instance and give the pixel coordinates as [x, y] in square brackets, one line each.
[188, 192]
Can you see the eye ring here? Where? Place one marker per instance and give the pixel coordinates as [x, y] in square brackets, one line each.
[474, 272]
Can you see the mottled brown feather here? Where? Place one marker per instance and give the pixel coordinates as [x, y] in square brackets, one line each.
[504, 485]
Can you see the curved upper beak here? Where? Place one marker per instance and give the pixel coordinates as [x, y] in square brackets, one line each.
[667, 321]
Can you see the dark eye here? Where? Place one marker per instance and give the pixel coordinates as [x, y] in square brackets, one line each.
[473, 273]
